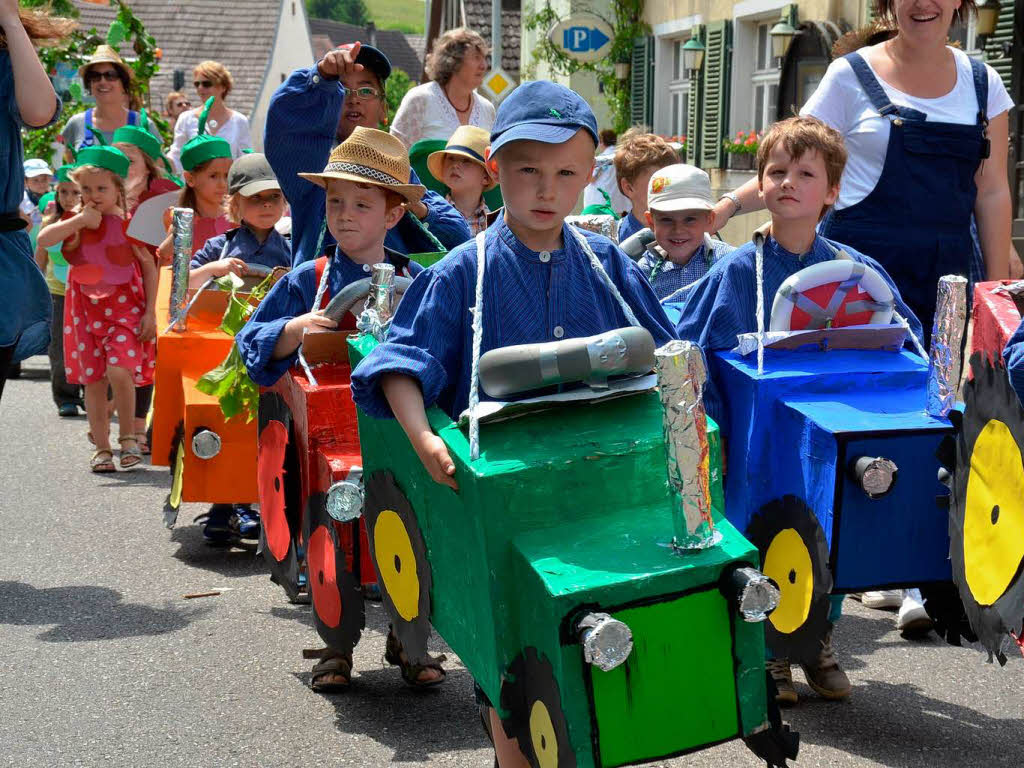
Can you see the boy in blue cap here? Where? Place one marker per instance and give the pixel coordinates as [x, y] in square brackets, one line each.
[319, 107]
[544, 281]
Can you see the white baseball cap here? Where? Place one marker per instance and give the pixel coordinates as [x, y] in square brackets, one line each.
[679, 187]
[36, 167]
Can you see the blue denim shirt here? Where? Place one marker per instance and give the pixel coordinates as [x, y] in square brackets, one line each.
[301, 125]
[275, 251]
[1014, 357]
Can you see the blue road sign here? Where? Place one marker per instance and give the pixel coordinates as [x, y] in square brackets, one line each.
[580, 39]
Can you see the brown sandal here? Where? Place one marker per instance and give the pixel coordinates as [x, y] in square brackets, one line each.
[332, 665]
[102, 462]
[395, 655]
[131, 456]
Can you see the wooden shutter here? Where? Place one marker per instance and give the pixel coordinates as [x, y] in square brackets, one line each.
[694, 105]
[1001, 61]
[641, 82]
[715, 87]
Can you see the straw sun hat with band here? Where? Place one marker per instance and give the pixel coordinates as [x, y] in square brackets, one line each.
[204, 147]
[374, 157]
[104, 54]
[469, 142]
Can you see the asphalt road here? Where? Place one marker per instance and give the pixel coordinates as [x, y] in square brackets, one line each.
[103, 663]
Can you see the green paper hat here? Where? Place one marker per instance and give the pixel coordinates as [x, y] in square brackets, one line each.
[104, 156]
[140, 136]
[64, 173]
[204, 147]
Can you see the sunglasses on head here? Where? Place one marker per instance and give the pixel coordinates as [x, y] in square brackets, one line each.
[110, 75]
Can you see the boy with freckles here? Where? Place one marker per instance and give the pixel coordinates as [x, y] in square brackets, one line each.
[540, 284]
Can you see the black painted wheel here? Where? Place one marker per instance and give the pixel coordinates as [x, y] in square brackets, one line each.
[529, 692]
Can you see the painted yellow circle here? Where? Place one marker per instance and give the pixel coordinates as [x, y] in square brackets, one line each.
[396, 563]
[993, 514]
[542, 734]
[788, 562]
[178, 478]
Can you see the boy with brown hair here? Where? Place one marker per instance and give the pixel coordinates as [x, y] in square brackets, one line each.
[637, 156]
[799, 164]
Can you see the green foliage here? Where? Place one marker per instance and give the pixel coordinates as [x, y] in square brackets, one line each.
[347, 11]
[63, 8]
[125, 28]
[229, 382]
[628, 25]
[398, 84]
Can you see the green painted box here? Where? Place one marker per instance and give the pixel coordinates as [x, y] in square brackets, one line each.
[567, 512]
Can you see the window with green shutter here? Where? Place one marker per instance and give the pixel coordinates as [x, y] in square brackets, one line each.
[641, 82]
[693, 108]
[999, 46]
[715, 87]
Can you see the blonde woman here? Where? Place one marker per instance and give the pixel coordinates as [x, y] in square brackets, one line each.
[456, 66]
[211, 78]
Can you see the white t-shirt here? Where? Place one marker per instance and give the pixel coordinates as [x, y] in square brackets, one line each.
[605, 178]
[235, 132]
[426, 113]
[840, 101]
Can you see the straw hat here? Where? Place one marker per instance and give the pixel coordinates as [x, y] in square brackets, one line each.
[370, 156]
[104, 54]
[468, 141]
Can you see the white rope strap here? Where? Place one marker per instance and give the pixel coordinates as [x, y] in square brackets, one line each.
[759, 309]
[478, 332]
[320, 290]
[596, 264]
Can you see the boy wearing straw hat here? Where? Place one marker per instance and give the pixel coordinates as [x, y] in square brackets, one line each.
[543, 281]
[461, 167]
[366, 182]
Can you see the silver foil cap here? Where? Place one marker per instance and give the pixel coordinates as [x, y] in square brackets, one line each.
[607, 642]
[345, 497]
[944, 358]
[681, 376]
[182, 221]
[756, 594]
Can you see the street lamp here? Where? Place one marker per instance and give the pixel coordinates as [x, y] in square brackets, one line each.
[693, 56]
[783, 32]
[988, 17]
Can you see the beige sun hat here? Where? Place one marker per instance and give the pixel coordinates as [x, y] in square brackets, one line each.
[370, 156]
[104, 54]
[468, 141]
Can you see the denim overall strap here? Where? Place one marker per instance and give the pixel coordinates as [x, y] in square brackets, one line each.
[876, 93]
[87, 138]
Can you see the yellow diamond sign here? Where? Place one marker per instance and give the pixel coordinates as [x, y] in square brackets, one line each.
[497, 84]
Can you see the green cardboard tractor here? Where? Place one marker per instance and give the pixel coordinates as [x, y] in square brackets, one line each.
[552, 574]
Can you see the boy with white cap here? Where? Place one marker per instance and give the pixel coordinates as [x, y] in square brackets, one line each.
[37, 183]
[679, 213]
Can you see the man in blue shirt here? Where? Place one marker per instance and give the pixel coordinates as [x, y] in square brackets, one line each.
[320, 106]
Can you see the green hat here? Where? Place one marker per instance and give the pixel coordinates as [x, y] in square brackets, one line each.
[204, 147]
[139, 136]
[104, 156]
[64, 173]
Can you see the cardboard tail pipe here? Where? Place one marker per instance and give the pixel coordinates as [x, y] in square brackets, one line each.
[681, 377]
[944, 357]
[182, 220]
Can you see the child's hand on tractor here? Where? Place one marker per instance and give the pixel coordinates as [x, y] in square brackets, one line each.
[311, 321]
[224, 266]
[436, 459]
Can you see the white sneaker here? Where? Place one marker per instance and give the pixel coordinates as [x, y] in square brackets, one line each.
[882, 599]
[913, 619]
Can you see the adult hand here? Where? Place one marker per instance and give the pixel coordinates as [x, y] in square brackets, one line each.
[418, 209]
[436, 459]
[90, 216]
[340, 62]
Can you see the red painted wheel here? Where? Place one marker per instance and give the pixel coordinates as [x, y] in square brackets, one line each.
[280, 491]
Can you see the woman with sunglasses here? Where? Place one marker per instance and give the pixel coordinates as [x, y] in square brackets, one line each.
[211, 78]
[174, 104]
[109, 81]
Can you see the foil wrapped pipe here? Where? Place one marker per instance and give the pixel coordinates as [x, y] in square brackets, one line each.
[601, 223]
[182, 220]
[681, 376]
[944, 357]
[382, 291]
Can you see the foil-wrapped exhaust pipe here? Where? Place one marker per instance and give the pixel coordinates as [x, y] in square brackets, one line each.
[182, 220]
[382, 291]
[944, 357]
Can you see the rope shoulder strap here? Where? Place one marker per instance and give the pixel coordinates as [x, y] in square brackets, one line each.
[478, 332]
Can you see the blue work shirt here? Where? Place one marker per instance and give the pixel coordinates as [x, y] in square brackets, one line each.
[25, 319]
[292, 296]
[242, 243]
[629, 225]
[528, 297]
[721, 306]
[667, 277]
[301, 124]
[1014, 357]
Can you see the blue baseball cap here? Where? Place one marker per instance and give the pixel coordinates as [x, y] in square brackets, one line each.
[542, 111]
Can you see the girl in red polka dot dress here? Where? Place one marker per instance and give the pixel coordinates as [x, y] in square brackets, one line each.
[109, 319]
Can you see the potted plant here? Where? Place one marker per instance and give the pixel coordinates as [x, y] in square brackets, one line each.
[742, 149]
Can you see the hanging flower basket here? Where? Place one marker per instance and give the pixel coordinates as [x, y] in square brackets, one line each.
[742, 149]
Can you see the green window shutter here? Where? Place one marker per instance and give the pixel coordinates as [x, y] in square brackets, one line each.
[994, 55]
[717, 61]
[693, 110]
[641, 82]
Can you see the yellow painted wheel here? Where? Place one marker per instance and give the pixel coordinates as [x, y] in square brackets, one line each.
[986, 511]
[396, 563]
[542, 736]
[795, 556]
[177, 476]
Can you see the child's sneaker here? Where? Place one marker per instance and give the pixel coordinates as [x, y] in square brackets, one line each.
[217, 525]
[782, 675]
[245, 522]
[825, 676]
[882, 599]
[913, 620]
